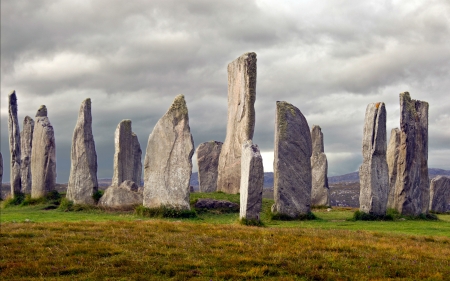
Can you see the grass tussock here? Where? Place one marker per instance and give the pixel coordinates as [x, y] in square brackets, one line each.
[164, 212]
[391, 215]
[251, 222]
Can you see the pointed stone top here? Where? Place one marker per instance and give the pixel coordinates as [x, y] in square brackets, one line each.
[27, 119]
[86, 102]
[12, 94]
[317, 139]
[179, 107]
[42, 111]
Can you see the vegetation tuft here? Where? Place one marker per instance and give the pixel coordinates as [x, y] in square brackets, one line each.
[250, 222]
[164, 212]
[97, 195]
[391, 215]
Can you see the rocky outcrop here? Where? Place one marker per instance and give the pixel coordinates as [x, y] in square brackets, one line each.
[412, 188]
[121, 197]
[292, 162]
[440, 194]
[208, 154]
[127, 156]
[14, 144]
[320, 192]
[168, 159]
[241, 120]
[392, 162]
[26, 141]
[213, 204]
[373, 173]
[43, 156]
[252, 181]
[83, 170]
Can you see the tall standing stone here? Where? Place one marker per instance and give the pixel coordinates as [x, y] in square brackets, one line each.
[83, 169]
[292, 162]
[392, 161]
[373, 173]
[26, 139]
[412, 192]
[252, 181]
[127, 156]
[168, 159]
[208, 154]
[43, 155]
[14, 144]
[241, 120]
[320, 193]
[1, 173]
[440, 194]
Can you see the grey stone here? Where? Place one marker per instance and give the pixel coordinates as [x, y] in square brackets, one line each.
[1, 172]
[392, 161]
[440, 194]
[412, 193]
[373, 173]
[241, 120]
[83, 169]
[120, 197]
[43, 156]
[131, 185]
[213, 204]
[26, 139]
[208, 154]
[292, 162]
[127, 156]
[14, 144]
[168, 159]
[320, 192]
[252, 181]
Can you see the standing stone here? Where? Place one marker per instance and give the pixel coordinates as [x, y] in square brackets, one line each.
[208, 154]
[373, 173]
[26, 139]
[168, 159]
[252, 181]
[127, 156]
[14, 144]
[241, 120]
[83, 169]
[440, 194]
[43, 156]
[412, 194]
[320, 193]
[392, 161]
[292, 162]
[1, 174]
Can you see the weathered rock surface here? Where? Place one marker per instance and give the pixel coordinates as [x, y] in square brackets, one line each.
[14, 144]
[224, 205]
[440, 194]
[168, 159]
[130, 185]
[320, 192]
[241, 120]
[392, 162]
[412, 194]
[120, 197]
[127, 156]
[1, 171]
[252, 181]
[83, 170]
[292, 162]
[208, 154]
[26, 139]
[373, 173]
[43, 156]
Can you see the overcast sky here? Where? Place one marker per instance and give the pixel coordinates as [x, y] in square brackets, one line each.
[328, 58]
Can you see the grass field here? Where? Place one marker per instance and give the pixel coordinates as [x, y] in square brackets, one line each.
[94, 244]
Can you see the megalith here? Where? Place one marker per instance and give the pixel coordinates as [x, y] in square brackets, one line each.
[168, 159]
[14, 144]
[373, 173]
[43, 155]
[440, 194]
[292, 162]
[1, 173]
[208, 154]
[121, 197]
[83, 169]
[241, 120]
[320, 192]
[252, 181]
[26, 139]
[412, 193]
[392, 162]
[127, 155]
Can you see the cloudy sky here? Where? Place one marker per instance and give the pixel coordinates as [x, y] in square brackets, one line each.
[328, 58]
